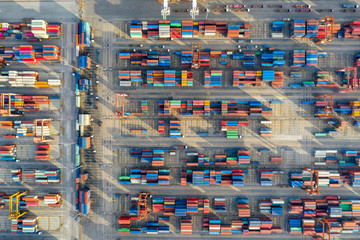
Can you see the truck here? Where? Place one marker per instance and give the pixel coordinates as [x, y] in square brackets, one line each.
[276, 6]
[284, 10]
[350, 6]
[349, 10]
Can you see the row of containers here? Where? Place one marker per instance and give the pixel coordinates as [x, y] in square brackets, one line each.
[32, 32]
[328, 206]
[311, 227]
[146, 58]
[305, 224]
[30, 53]
[212, 78]
[83, 201]
[33, 200]
[305, 58]
[17, 105]
[268, 58]
[210, 225]
[349, 108]
[318, 29]
[26, 79]
[330, 178]
[187, 29]
[231, 157]
[322, 79]
[207, 107]
[37, 176]
[8, 152]
[16, 129]
[236, 177]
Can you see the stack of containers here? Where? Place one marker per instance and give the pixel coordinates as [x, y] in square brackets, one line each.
[352, 30]
[124, 55]
[311, 58]
[25, 225]
[186, 58]
[220, 205]
[272, 59]
[212, 177]
[297, 58]
[249, 59]
[204, 59]
[41, 176]
[124, 225]
[53, 30]
[279, 80]
[200, 160]
[277, 206]
[175, 129]
[357, 60]
[231, 108]
[48, 53]
[187, 29]
[8, 152]
[297, 29]
[19, 79]
[144, 28]
[164, 29]
[135, 29]
[126, 77]
[164, 60]
[295, 226]
[42, 152]
[322, 79]
[144, 107]
[84, 142]
[24, 53]
[210, 29]
[244, 31]
[241, 78]
[84, 34]
[38, 28]
[213, 78]
[243, 207]
[243, 157]
[268, 75]
[233, 30]
[231, 128]
[147, 177]
[277, 29]
[175, 29]
[186, 225]
[84, 62]
[311, 28]
[161, 126]
[296, 206]
[265, 206]
[180, 208]
[153, 156]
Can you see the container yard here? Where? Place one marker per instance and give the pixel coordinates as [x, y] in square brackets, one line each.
[36, 128]
[179, 119]
[222, 127]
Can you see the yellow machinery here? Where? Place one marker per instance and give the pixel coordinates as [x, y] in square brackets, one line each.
[195, 50]
[16, 214]
[143, 209]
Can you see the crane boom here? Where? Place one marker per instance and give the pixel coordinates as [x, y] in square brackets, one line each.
[165, 11]
[194, 11]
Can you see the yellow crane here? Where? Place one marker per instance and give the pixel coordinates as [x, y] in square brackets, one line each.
[16, 214]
